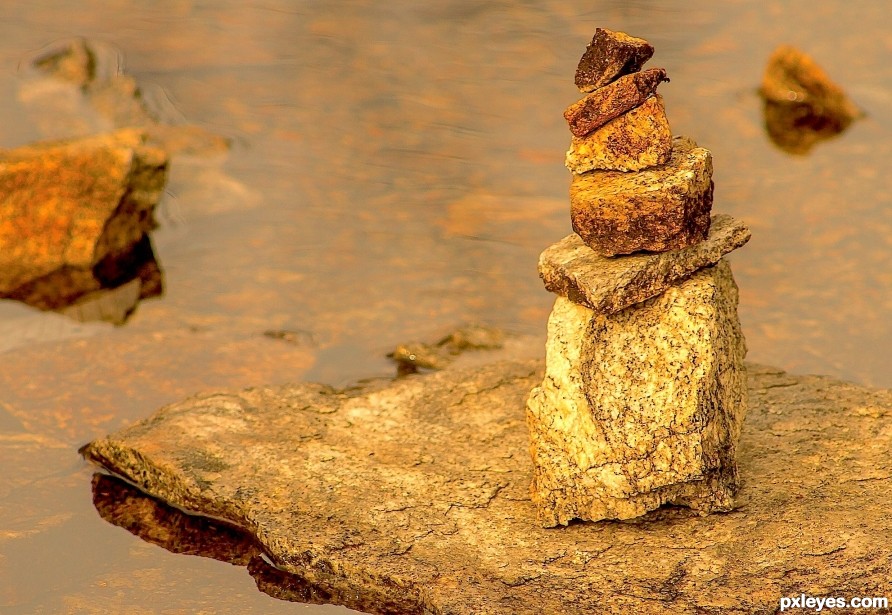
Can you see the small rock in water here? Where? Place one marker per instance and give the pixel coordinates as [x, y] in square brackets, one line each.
[792, 77]
[609, 56]
[802, 106]
[635, 140]
[658, 209]
[74, 62]
[613, 100]
[72, 211]
[413, 355]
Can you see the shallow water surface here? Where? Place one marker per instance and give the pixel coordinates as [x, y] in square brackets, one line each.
[396, 169]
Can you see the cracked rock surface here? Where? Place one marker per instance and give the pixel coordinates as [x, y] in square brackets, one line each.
[635, 140]
[606, 285]
[642, 407]
[413, 496]
[658, 209]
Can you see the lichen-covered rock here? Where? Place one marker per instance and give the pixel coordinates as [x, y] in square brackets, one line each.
[658, 209]
[606, 285]
[611, 101]
[635, 140]
[610, 55]
[69, 210]
[642, 407]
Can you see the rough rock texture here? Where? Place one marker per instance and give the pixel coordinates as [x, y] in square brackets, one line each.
[613, 100]
[635, 140]
[416, 494]
[802, 106]
[658, 209]
[606, 285]
[640, 408]
[72, 211]
[610, 55]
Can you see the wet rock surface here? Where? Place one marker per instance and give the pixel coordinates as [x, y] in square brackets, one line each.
[802, 105]
[571, 269]
[416, 494]
[660, 208]
[74, 216]
[411, 356]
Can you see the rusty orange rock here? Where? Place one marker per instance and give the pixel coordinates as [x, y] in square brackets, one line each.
[70, 208]
[636, 140]
[802, 105]
[661, 208]
[609, 102]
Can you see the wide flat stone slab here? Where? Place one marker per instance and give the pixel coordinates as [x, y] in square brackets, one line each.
[413, 496]
[609, 284]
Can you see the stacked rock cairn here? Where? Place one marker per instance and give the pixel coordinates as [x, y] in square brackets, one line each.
[644, 393]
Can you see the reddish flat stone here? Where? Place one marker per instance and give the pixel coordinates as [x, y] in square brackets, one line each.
[611, 101]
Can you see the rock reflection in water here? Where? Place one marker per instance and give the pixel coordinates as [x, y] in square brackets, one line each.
[125, 506]
[802, 106]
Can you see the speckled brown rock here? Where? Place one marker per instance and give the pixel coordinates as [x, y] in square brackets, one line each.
[609, 56]
[793, 78]
[612, 100]
[658, 209]
[635, 140]
[70, 209]
[801, 105]
[642, 407]
[606, 285]
[415, 495]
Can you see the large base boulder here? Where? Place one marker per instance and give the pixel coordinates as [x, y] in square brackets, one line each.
[642, 407]
[413, 496]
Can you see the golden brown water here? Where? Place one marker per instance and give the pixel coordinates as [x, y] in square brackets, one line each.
[397, 168]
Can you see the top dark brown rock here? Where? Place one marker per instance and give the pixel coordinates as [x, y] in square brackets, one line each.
[607, 103]
[608, 57]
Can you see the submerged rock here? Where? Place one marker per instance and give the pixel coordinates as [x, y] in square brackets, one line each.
[658, 209]
[413, 355]
[613, 100]
[609, 56]
[634, 141]
[606, 285]
[415, 495]
[105, 98]
[74, 62]
[641, 407]
[802, 105]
